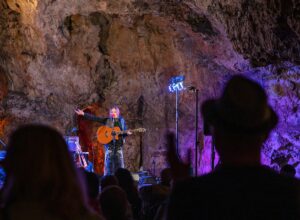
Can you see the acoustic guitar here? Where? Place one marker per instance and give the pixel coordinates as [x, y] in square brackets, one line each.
[106, 134]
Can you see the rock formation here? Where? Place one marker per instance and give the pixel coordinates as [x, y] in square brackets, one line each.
[56, 56]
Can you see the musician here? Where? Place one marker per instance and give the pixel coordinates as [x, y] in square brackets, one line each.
[114, 150]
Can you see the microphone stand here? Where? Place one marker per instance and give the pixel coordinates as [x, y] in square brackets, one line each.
[114, 146]
[3, 144]
[196, 131]
[212, 152]
[196, 91]
[177, 126]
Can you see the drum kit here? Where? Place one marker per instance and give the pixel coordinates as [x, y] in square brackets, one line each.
[79, 157]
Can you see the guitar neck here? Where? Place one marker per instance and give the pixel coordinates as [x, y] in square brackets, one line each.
[124, 132]
[131, 130]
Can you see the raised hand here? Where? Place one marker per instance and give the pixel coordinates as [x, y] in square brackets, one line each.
[79, 112]
[180, 170]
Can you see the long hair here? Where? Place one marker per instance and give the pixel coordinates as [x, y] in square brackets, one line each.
[39, 168]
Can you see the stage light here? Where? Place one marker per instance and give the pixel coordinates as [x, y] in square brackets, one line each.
[176, 84]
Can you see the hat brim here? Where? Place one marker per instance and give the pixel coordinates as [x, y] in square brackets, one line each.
[211, 108]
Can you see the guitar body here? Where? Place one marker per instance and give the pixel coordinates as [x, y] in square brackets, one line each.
[104, 134]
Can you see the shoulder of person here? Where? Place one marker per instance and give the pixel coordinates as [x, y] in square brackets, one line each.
[93, 217]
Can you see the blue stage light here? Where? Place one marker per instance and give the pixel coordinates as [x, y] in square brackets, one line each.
[176, 84]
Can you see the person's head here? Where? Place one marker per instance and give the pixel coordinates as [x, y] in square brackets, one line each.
[114, 112]
[125, 178]
[39, 167]
[114, 204]
[92, 183]
[288, 170]
[240, 120]
[166, 177]
[108, 180]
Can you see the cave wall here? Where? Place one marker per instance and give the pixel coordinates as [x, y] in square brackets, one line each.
[56, 56]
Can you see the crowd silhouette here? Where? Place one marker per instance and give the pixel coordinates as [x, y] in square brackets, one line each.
[41, 179]
[42, 182]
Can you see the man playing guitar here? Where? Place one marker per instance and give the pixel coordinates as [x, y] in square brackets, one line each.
[114, 149]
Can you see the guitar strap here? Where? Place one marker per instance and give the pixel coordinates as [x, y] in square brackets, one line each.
[122, 126]
[122, 123]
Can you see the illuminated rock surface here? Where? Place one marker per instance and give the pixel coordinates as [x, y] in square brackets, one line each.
[56, 56]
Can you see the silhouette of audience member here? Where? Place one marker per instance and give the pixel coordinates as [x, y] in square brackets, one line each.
[109, 180]
[154, 196]
[126, 182]
[41, 179]
[92, 183]
[241, 188]
[166, 177]
[114, 203]
[288, 170]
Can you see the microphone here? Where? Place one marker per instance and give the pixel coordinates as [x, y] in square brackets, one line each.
[191, 88]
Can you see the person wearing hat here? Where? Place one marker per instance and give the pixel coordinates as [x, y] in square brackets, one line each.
[241, 188]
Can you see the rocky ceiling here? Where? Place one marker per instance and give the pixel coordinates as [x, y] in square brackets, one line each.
[56, 56]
